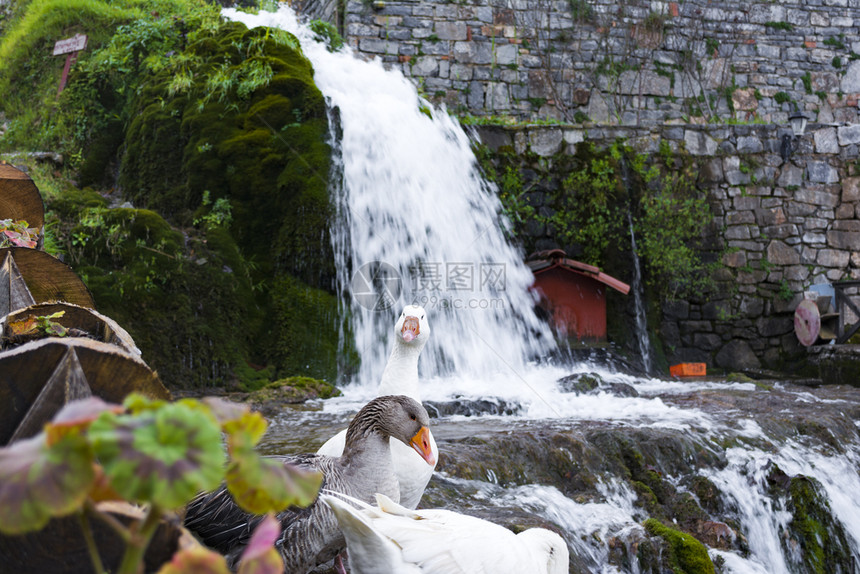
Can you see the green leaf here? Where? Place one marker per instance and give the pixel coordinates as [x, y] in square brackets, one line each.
[76, 416]
[260, 485]
[162, 456]
[260, 556]
[39, 482]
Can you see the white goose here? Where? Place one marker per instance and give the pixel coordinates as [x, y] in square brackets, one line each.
[400, 377]
[391, 539]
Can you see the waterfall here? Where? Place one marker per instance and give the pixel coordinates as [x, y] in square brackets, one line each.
[636, 287]
[638, 303]
[416, 223]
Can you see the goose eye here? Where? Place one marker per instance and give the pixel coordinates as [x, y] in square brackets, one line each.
[412, 416]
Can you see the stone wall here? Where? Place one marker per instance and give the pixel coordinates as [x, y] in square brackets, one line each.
[780, 226]
[632, 62]
[716, 81]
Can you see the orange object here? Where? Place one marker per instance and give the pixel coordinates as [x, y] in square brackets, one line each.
[687, 370]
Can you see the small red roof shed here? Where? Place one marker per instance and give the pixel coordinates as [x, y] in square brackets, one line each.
[573, 293]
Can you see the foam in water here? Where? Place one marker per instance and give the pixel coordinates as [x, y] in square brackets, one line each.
[412, 197]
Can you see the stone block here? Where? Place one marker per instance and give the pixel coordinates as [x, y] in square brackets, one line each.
[654, 84]
[749, 202]
[814, 238]
[779, 253]
[737, 355]
[850, 134]
[786, 231]
[826, 141]
[711, 171]
[545, 141]
[774, 326]
[707, 341]
[773, 216]
[745, 100]
[735, 259]
[506, 54]
[851, 189]
[425, 66]
[796, 272]
[845, 211]
[749, 144]
[844, 240]
[790, 175]
[676, 309]
[497, 97]
[821, 172]
[699, 143]
[572, 137]
[833, 258]
[374, 46]
[472, 52]
[816, 197]
[737, 232]
[740, 217]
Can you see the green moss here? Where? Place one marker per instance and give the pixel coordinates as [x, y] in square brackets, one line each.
[686, 554]
[304, 323]
[822, 540]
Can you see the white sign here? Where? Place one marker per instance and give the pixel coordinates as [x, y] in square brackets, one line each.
[75, 44]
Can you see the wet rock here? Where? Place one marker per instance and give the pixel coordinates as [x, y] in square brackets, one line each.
[471, 407]
[592, 384]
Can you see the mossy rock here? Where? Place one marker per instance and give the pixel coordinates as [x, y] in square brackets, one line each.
[686, 554]
[824, 547]
[262, 146]
[295, 390]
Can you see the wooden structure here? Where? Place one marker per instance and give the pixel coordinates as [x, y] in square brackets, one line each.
[573, 294]
[39, 371]
[20, 198]
[843, 302]
[29, 276]
[826, 319]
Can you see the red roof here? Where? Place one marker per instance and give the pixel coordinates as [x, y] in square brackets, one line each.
[542, 261]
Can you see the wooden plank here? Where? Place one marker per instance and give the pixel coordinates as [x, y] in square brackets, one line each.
[48, 278]
[111, 372]
[76, 43]
[67, 383]
[14, 293]
[98, 326]
[20, 198]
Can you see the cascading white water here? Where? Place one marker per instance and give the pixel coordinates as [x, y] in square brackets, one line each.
[412, 198]
[638, 304]
[412, 195]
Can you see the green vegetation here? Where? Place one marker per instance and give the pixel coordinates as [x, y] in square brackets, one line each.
[785, 26]
[807, 82]
[686, 554]
[587, 210]
[219, 136]
[152, 453]
[837, 42]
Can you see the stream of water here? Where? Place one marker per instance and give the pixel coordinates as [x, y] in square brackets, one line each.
[416, 216]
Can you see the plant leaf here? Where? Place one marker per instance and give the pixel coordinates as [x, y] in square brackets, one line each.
[260, 485]
[76, 416]
[38, 481]
[261, 556]
[23, 327]
[196, 559]
[163, 456]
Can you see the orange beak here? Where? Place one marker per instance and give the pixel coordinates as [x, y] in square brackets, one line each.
[410, 328]
[421, 443]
